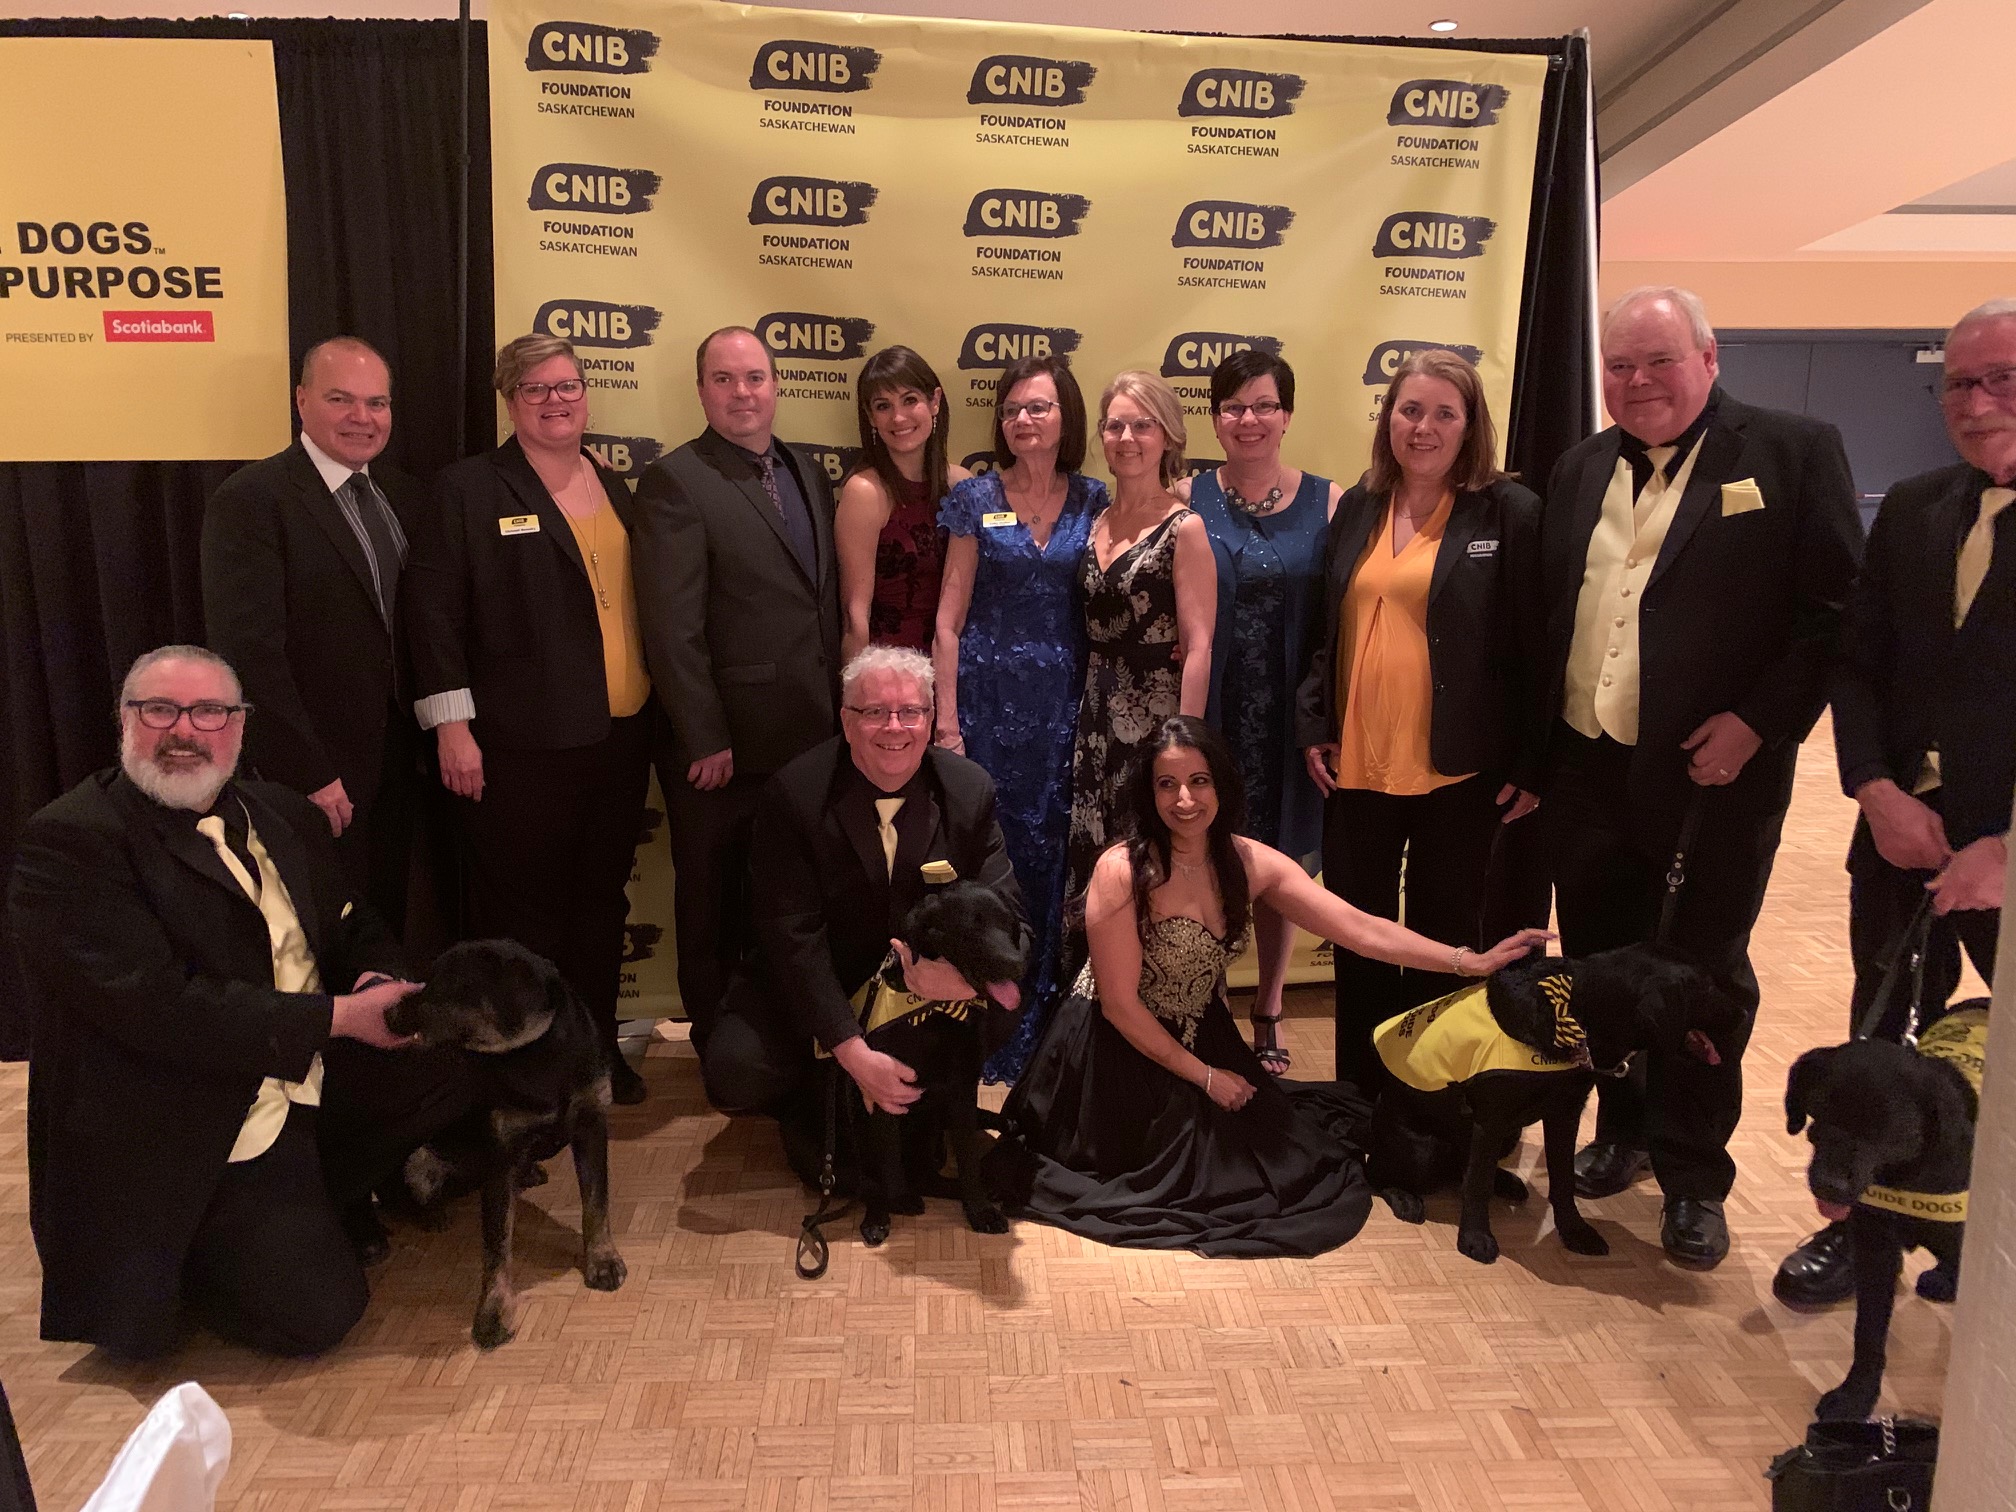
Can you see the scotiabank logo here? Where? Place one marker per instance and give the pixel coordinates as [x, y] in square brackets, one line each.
[1025, 213]
[1012, 79]
[1240, 92]
[146, 325]
[1193, 354]
[1388, 355]
[997, 345]
[591, 323]
[788, 201]
[591, 187]
[582, 47]
[628, 455]
[816, 338]
[1446, 102]
[1429, 233]
[813, 67]
[1230, 223]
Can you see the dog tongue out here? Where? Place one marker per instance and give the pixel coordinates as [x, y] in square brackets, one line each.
[1833, 1212]
[1007, 994]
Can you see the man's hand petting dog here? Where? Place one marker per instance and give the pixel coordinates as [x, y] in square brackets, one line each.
[887, 1085]
[360, 1015]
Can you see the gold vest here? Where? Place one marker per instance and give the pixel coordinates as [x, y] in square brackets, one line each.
[1961, 1040]
[1454, 1038]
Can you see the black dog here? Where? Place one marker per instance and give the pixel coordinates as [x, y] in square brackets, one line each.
[541, 1086]
[968, 925]
[1893, 1139]
[1471, 1070]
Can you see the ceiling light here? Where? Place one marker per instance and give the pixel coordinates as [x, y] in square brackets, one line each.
[1442, 26]
[238, 16]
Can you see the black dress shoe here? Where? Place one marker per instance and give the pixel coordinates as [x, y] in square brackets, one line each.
[625, 1085]
[1694, 1233]
[1604, 1170]
[1820, 1271]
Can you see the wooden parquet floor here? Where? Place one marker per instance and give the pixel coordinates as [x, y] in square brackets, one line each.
[1034, 1370]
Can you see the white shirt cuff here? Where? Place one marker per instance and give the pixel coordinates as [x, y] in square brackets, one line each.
[444, 708]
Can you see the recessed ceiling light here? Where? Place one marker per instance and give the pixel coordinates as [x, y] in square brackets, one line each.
[1442, 26]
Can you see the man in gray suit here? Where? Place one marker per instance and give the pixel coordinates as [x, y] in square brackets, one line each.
[739, 605]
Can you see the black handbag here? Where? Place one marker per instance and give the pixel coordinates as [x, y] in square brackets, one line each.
[1884, 1466]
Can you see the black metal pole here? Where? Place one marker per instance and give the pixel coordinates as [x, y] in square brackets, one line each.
[462, 258]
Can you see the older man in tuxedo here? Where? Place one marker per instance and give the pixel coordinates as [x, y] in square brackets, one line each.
[193, 954]
[1695, 558]
[739, 605]
[1925, 717]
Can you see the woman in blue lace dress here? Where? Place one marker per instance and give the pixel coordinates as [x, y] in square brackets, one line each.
[1010, 647]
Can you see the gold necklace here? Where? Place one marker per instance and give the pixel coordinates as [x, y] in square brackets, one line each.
[595, 541]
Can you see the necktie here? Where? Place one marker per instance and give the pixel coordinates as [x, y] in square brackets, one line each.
[384, 542]
[1655, 486]
[233, 851]
[768, 464]
[1977, 551]
[885, 812]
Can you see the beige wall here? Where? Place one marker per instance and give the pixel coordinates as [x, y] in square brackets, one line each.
[1825, 295]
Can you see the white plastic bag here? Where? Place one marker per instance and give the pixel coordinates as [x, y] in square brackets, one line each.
[173, 1462]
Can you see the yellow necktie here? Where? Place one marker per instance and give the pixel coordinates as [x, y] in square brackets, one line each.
[1655, 486]
[885, 811]
[1977, 551]
[211, 828]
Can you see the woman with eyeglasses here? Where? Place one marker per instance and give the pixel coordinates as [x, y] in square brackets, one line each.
[885, 528]
[529, 669]
[1150, 594]
[1010, 646]
[1268, 523]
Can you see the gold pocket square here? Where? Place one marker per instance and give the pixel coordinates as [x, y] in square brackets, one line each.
[938, 871]
[346, 910]
[1741, 497]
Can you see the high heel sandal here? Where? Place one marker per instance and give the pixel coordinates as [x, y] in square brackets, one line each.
[1267, 1046]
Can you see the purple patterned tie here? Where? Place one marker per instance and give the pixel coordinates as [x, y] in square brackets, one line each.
[769, 465]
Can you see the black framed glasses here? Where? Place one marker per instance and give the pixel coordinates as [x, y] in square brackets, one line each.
[909, 716]
[1266, 409]
[2000, 384]
[566, 388]
[161, 713]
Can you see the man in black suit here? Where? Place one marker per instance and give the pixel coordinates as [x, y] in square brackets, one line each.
[739, 605]
[180, 934]
[301, 560]
[1925, 717]
[1695, 558]
[848, 838]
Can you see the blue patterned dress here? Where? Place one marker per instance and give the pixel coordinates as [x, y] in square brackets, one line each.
[1021, 669]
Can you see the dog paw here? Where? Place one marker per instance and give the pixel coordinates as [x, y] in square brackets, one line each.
[1850, 1402]
[604, 1272]
[1408, 1207]
[1580, 1237]
[425, 1174]
[875, 1229]
[985, 1218]
[1478, 1244]
[1508, 1188]
[493, 1326]
[1939, 1284]
[530, 1174]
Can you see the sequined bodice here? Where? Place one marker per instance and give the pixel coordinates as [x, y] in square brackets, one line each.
[1182, 971]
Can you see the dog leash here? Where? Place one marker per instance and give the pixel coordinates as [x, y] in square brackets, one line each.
[1907, 961]
[1676, 869]
[813, 1251]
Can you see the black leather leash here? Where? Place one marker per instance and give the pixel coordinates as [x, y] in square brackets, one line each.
[1907, 964]
[1676, 869]
[813, 1251]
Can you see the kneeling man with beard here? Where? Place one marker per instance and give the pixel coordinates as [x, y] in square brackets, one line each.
[194, 955]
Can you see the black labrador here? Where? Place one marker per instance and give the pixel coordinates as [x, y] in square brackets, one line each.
[1893, 1139]
[1468, 1072]
[542, 1086]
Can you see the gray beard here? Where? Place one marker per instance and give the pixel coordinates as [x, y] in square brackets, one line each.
[195, 791]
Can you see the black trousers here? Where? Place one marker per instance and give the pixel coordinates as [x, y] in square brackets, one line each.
[711, 907]
[1447, 837]
[270, 1266]
[551, 847]
[377, 847]
[1610, 864]
[1881, 902]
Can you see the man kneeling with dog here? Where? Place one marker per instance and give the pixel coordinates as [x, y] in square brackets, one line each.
[849, 838]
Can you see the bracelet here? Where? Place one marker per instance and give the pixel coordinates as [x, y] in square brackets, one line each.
[1456, 959]
[1209, 1072]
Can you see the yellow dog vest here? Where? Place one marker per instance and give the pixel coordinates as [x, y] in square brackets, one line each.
[1961, 1040]
[1455, 1038]
[876, 1004]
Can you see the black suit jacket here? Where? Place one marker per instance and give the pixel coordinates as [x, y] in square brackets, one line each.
[287, 599]
[150, 980]
[1908, 679]
[1742, 611]
[509, 617]
[743, 644]
[1483, 630]
[826, 904]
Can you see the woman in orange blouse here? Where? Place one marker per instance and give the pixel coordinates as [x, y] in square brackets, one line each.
[1418, 714]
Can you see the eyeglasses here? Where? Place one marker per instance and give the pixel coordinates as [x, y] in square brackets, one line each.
[161, 713]
[1143, 428]
[909, 716]
[566, 388]
[1266, 409]
[1035, 409]
[2000, 384]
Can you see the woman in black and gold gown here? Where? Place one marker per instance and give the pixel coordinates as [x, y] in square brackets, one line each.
[1144, 1119]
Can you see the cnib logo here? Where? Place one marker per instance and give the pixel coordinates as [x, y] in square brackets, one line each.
[816, 338]
[1025, 213]
[591, 323]
[1193, 354]
[789, 201]
[1011, 79]
[1240, 92]
[1230, 223]
[813, 67]
[581, 47]
[1430, 233]
[1388, 355]
[838, 461]
[978, 462]
[588, 186]
[628, 455]
[1192, 466]
[1446, 102]
[997, 345]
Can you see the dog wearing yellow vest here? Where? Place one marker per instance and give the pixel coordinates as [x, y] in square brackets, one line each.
[1892, 1131]
[1467, 1072]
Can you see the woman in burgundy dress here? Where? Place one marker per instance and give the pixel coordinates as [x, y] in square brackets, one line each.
[885, 528]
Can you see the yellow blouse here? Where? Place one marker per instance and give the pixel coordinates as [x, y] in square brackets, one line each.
[605, 548]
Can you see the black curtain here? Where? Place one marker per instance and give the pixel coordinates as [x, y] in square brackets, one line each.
[98, 560]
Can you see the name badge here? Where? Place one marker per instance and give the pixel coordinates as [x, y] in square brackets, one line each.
[1483, 548]
[999, 519]
[511, 525]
